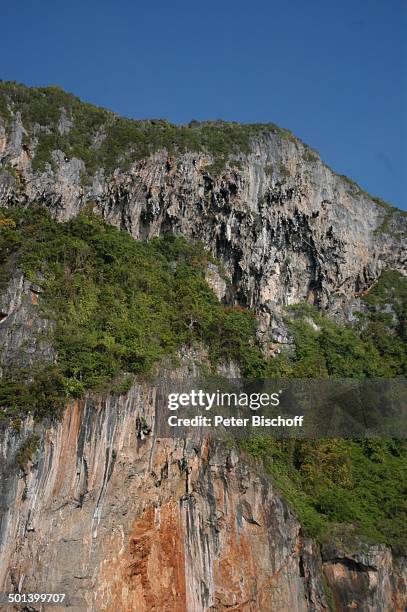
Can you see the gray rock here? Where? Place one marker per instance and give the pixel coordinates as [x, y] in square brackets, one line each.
[23, 330]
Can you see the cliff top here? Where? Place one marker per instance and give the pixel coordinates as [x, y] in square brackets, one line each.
[56, 120]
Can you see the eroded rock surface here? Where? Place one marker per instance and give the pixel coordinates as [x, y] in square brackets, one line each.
[23, 330]
[120, 523]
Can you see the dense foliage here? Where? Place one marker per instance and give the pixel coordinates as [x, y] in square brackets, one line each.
[355, 488]
[121, 305]
[376, 346]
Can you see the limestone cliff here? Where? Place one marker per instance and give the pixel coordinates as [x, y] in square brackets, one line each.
[156, 524]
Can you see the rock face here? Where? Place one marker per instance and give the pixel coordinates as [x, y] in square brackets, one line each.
[363, 580]
[120, 523]
[22, 330]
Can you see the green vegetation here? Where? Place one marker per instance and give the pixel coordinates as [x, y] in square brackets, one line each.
[385, 322]
[310, 155]
[375, 347]
[27, 450]
[283, 170]
[119, 306]
[329, 598]
[102, 139]
[269, 170]
[41, 393]
[354, 486]
[217, 167]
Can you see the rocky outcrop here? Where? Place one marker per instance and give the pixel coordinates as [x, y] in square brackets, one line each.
[123, 523]
[23, 331]
[366, 580]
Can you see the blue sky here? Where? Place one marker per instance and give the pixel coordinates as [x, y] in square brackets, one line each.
[334, 72]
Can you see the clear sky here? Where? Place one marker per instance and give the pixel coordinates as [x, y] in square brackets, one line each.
[332, 71]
